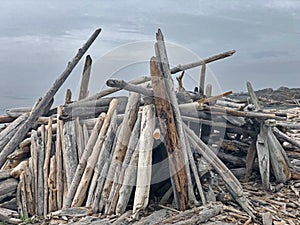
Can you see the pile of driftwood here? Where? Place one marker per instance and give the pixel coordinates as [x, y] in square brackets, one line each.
[157, 147]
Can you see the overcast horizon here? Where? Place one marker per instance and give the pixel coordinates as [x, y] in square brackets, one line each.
[39, 38]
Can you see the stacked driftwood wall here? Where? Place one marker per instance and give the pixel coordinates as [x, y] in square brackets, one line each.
[99, 152]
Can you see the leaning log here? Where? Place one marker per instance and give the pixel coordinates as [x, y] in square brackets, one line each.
[43, 104]
[121, 147]
[91, 163]
[83, 161]
[84, 85]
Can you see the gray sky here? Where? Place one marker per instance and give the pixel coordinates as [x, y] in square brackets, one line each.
[38, 38]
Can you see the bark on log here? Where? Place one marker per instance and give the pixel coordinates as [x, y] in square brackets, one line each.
[84, 85]
[263, 156]
[44, 103]
[91, 163]
[83, 161]
[121, 145]
[6, 119]
[134, 138]
[142, 191]
[167, 124]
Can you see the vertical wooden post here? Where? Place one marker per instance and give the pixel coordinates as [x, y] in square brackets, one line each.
[84, 85]
[167, 125]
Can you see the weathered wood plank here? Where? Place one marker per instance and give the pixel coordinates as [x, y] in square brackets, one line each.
[84, 85]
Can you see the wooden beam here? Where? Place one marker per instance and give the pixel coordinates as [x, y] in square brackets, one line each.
[84, 85]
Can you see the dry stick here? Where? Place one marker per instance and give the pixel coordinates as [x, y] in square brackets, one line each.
[283, 136]
[70, 158]
[202, 62]
[47, 164]
[121, 145]
[161, 53]
[10, 130]
[195, 172]
[91, 163]
[202, 79]
[103, 157]
[263, 156]
[59, 160]
[130, 149]
[253, 97]
[84, 85]
[83, 160]
[39, 109]
[129, 87]
[168, 127]
[233, 184]
[142, 191]
[86, 135]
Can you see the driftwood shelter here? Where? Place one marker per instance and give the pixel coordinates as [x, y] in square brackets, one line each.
[159, 155]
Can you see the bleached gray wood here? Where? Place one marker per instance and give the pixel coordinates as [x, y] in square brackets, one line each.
[70, 158]
[142, 191]
[92, 160]
[122, 142]
[84, 85]
[40, 177]
[129, 87]
[201, 62]
[288, 139]
[263, 156]
[79, 138]
[103, 157]
[233, 185]
[46, 100]
[130, 149]
[253, 97]
[278, 162]
[83, 161]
